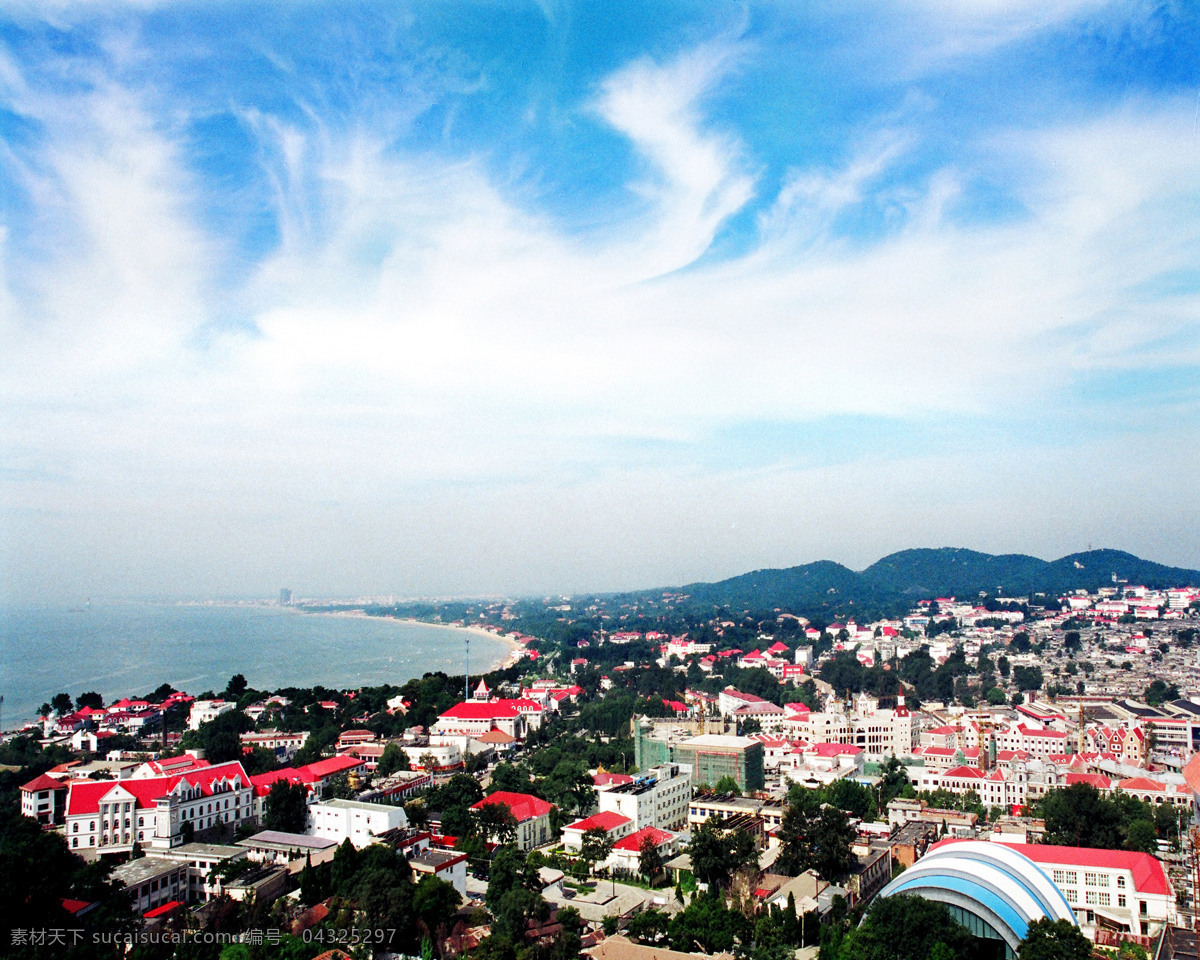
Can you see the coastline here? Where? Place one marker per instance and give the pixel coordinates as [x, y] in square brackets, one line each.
[509, 659]
[124, 648]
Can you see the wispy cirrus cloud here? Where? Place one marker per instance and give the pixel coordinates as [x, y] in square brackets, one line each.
[417, 340]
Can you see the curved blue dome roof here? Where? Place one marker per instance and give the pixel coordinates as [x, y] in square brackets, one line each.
[995, 884]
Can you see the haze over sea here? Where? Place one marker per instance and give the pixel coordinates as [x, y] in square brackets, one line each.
[129, 648]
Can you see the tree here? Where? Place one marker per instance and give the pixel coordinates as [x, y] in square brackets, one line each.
[595, 847]
[1027, 678]
[718, 854]
[708, 926]
[392, 759]
[61, 703]
[286, 807]
[832, 838]
[906, 927]
[236, 686]
[496, 822]
[90, 699]
[649, 926]
[728, 784]
[1140, 835]
[435, 903]
[650, 861]
[1159, 691]
[996, 696]
[220, 738]
[338, 787]
[512, 895]
[1054, 940]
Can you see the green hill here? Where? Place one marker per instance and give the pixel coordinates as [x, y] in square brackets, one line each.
[897, 581]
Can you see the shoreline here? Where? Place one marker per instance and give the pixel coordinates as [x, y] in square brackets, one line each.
[509, 659]
[138, 668]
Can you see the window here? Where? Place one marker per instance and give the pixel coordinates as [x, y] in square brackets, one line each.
[1120, 883]
[1120, 899]
[74, 841]
[75, 828]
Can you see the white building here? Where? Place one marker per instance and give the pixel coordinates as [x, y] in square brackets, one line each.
[205, 710]
[443, 864]
[352, 820]
[657, 799]
[615, 825]
[110, 816]
[1114, 889]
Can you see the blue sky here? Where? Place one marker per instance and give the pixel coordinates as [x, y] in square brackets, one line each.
[458, 298]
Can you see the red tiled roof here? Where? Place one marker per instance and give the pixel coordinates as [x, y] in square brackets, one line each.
[1191, 773]
[1142, 783]
[85, 795]
[1148, 873]
[605, 820]
[479, 711]
[1097, 780]
[43, 783]
[635, 840]
[524, 806]
[170, 907]
[972, 772]
[263, 782]
[325, 768]
[604, 779]
[835, 749]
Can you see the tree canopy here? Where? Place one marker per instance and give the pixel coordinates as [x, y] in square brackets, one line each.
[1054, 940]
[905, 927]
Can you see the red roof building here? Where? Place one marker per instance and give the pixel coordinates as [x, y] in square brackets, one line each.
[112, 815]
[531, 813]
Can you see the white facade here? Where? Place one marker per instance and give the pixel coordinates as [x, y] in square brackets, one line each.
[352, 820]
[205, 710]
[111, 815]
[660, 799]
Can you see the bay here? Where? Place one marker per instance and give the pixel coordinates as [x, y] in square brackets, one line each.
[127, 649]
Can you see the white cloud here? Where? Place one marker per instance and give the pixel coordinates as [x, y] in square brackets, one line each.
[417, 326]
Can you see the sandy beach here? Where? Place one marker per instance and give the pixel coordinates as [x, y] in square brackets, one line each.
[515, 650]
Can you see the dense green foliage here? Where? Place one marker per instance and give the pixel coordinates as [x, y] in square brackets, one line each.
[1080, 816]
[38, 870]
[906, 927]
[1054, 940]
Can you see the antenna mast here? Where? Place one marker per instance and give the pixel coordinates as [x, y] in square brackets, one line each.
[466, 666]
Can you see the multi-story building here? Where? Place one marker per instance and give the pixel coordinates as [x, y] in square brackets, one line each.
[614, 825]
[659, 798]
[727, 806]
[199, 860]
[474, 719]
[360, 823]
[205, 710]
[110, 816]
[710, 756]
[44, 799]
[151, 882]
[282, 743]
[531, 813]
[1108, 889]
[880, 732]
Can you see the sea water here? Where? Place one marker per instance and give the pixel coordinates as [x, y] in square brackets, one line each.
[127, 649]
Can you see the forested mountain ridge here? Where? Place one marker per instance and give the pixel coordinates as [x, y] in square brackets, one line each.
[897, 581]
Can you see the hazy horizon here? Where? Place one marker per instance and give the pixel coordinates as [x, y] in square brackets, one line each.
[474, 299]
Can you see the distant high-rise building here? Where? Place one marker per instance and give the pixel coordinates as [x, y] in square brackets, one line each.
[285, 597]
